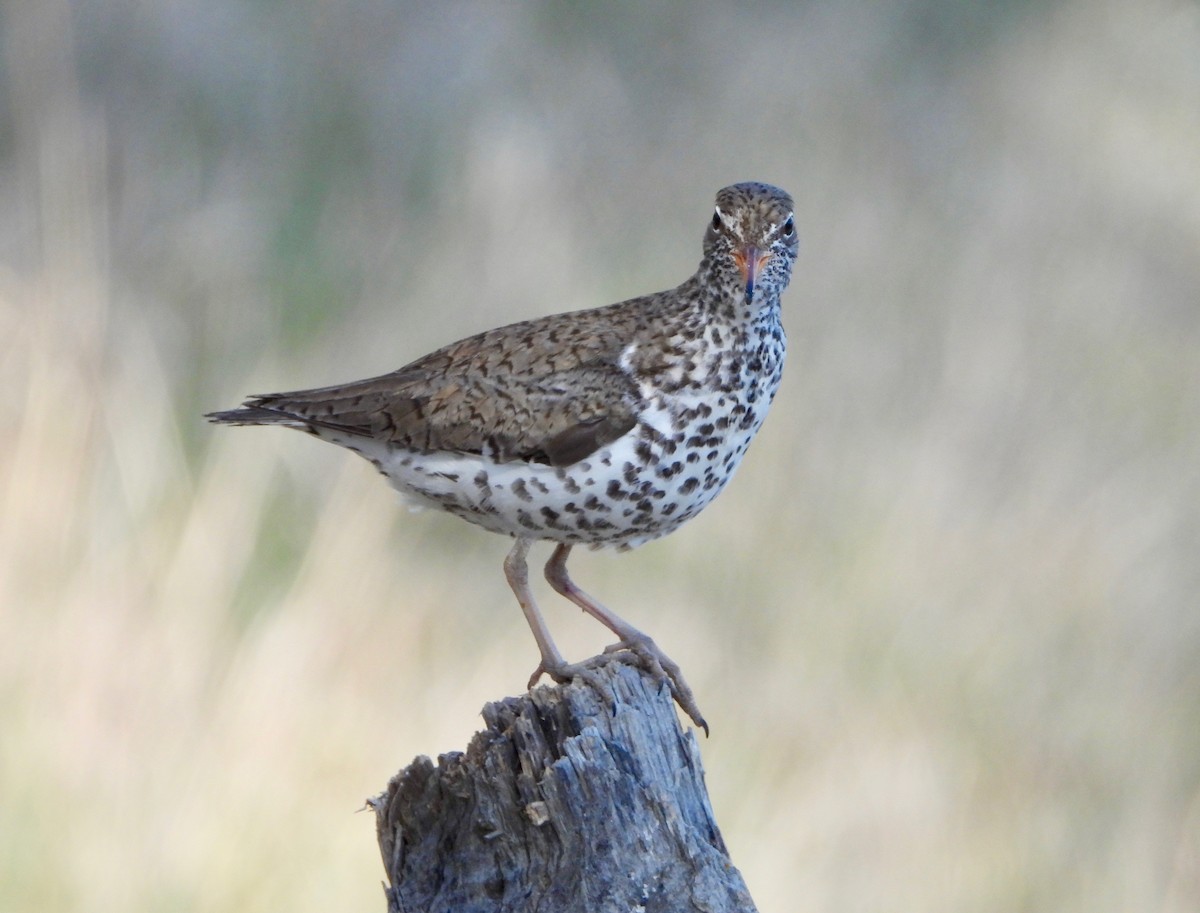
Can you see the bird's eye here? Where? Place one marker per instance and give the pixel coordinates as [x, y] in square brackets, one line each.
[717, 222]
[789, 227]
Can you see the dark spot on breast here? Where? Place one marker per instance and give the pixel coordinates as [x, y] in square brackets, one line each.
[519, 489]
[652, 434]
[594, 503]
[689, 486]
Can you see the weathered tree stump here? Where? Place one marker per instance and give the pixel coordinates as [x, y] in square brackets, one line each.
[580, 798]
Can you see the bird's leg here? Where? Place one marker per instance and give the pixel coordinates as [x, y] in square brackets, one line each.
[651, 658]
[517, 572]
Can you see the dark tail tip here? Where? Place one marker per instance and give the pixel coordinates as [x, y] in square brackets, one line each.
[249, 415]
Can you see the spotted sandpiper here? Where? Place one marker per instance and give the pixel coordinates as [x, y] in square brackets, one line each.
[604, 427]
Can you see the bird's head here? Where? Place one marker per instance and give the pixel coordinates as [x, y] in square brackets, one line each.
[752, 235]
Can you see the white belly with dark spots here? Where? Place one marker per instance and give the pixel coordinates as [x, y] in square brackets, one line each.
[679, 457]
[639, 488]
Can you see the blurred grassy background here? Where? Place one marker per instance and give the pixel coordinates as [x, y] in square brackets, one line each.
[944, 623]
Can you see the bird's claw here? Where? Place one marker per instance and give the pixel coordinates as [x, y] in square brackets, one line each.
[643, 653]
[646, 654]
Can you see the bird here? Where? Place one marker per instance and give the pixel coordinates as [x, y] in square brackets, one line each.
[606, 427]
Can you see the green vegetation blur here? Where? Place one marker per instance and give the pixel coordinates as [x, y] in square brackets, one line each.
[945, 623]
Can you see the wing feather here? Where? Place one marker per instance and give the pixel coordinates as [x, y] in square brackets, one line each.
[505, 393]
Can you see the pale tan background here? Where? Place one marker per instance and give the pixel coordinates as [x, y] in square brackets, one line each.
[944, 623]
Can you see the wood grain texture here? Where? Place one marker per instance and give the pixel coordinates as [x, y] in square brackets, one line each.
[580, 798]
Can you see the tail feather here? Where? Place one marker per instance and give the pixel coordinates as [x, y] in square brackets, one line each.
[251, 414]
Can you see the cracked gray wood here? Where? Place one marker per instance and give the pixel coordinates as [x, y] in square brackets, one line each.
[577, 798]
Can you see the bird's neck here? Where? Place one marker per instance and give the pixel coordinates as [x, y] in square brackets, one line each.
[721, 293]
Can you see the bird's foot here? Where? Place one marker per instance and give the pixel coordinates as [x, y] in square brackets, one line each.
[564, 672]
[641, 652]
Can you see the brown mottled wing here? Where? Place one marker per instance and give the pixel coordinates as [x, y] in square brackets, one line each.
[548, 391]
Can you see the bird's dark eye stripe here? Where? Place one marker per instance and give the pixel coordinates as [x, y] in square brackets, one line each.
[716, 222]
[788, 227]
